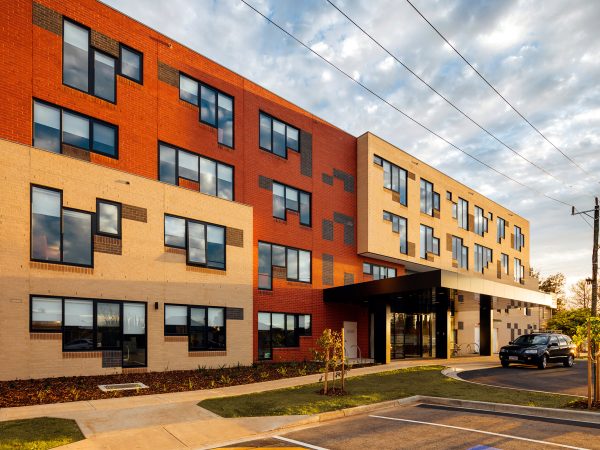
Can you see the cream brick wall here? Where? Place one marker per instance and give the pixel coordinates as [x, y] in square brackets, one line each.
[144, 271]
[375, 236]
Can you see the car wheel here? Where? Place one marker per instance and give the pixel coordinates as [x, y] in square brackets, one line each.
[504, 363]
[569, 361]
[543, 363]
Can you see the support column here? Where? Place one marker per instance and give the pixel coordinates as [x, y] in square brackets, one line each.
[441, 323]
[382, 333]
[485, 325]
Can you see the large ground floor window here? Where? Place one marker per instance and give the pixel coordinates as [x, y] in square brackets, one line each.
[204, 326]
[278, 330]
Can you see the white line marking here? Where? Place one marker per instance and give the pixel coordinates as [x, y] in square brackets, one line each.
[508, 436]
[292, 441]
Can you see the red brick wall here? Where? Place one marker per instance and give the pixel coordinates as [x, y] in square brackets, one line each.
[31, 67]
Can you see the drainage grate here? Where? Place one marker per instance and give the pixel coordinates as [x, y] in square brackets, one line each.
[122, 387]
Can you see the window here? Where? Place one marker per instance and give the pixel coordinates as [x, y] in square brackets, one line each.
[481, 222]
[448, 195]
[85, 68]
[276, 136]
[430, 200]
[279, 330]
[286, 198]
[378, 272]
[519, 239]
[462, 213]
[297, 263]
[483, 256]
[460, 253]
[504, 263]
[501, 229]
[131, 64]
[216, 108]
[394, 177]
[400, 226]
[204, 326]
[519, 271]
[53, 126]
[60, 235]
[46, 314]
[429, 243]
[108, 215]
[204, 242]
[214, 178]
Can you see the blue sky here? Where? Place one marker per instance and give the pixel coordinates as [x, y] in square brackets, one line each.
[544, 57]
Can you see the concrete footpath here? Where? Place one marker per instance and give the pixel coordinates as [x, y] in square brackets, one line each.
[174, 421]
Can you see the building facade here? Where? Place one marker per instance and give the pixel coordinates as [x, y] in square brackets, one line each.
[161, 212]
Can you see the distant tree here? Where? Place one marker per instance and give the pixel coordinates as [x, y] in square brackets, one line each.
[581, 294]
[568, 320]
[554, 284]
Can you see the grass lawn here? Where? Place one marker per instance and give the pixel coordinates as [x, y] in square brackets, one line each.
[372, 389]
[38, 434]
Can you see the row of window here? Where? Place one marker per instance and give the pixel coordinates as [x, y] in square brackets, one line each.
[296, 262]
[378, 272]
[279, 330]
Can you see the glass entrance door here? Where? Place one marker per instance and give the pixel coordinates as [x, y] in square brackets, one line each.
[412, 335]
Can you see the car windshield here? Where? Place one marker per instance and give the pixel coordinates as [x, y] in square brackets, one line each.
[531, 339]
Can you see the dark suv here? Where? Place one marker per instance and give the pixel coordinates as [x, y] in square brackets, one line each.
[539, 349]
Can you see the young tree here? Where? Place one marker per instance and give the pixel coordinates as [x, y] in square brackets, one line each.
[555, 284]
[568, 320]
[581, 294]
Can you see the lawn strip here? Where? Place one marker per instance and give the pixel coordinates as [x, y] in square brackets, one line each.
[38, 434]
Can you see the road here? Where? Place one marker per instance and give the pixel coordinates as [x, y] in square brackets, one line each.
[555, 378]
[435, 427]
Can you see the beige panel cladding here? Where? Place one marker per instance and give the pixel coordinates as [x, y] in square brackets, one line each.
[376, 238]
[143, 271]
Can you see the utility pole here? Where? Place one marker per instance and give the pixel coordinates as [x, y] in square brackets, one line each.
[591, 345]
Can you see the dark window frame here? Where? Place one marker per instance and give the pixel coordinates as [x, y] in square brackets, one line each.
[400, 218]
[91, 120]
[285, 247]
[433, 239]
[380, 161]
[140, 54]
[119, 219]
[463, 206]
[372, 265]
[188, 326]
[285, 208]
[297, 328]
[434, 195]
[484, 251]
[272, 117]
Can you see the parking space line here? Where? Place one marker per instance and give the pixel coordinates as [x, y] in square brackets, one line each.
[292, 441]
[508, 436]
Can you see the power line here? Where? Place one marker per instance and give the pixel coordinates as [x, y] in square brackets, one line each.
[497, 92]
[445, 98]
[425, 127]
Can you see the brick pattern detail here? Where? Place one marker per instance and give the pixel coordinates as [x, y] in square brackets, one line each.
[135, 370]
[45, 336]
[411, 249]
[348, 278]
[327, 179]
[348, 223]
[60, 267]
[279, 273]
[265, 183]
[234, 237]
[395, 197]
[112, 358]
[346, 178]
[134, 213]
[81, 355]
[436, 214]
[199, 269]
[75, 152]
[412, 176]
[177, 251]
[193, 185]
[203, 354]
[176, 339]
[448, 242]
[327, 269]
[105, 244]
[327, 231]
[234, 313]
[104, 43]
[168, 74]
[47, 19]
[305, 153]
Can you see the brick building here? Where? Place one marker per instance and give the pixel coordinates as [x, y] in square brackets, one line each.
[162, 212]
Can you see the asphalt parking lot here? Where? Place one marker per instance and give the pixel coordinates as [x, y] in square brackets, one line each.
[555, 378]
[435, 427]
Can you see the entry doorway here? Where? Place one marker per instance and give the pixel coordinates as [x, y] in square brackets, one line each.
[412, 335]
[350, 340]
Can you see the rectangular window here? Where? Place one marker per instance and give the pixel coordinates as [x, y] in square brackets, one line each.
[297, 262]
[132, 66]
[460, 253]
[204, 242]
[59, 234]
[46, 314]
[215, 178]
[394, 178]
[286, 198]
[280, 330]
[216, 108]
[481, 222]
[505, 263]
[276, 136]
[519, 271]
[204, 325]
[400, 226]
[429, 243]
[108, 218]
[49, 131]
[378, 272]
[426, 197]
[483, 257]
[519, 239]
[462, 213]
[104, 76]
[501, 229]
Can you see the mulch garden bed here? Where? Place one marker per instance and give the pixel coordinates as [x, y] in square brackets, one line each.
[70, 389]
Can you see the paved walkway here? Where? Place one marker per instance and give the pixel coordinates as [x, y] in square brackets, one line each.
[174, 421]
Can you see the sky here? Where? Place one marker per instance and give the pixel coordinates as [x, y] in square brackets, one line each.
[544, 57]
